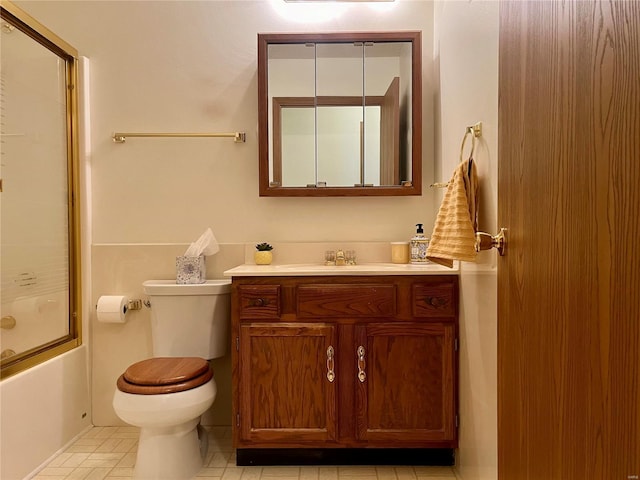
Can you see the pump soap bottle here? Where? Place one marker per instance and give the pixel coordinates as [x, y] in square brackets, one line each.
[419, 244]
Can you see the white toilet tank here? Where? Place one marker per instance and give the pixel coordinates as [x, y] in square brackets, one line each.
[189, 320]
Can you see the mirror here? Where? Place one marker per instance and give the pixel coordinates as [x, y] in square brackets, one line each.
[39, 212]
[340, 114]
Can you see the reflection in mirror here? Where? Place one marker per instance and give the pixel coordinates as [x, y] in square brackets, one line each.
[349, 149]
[339, 130]
[39, 297]
[340, 114]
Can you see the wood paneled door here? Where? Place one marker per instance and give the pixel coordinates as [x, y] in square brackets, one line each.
[285, 394]
[405, 389]
[569, 284]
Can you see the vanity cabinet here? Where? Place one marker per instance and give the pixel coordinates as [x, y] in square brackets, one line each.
[345, 361]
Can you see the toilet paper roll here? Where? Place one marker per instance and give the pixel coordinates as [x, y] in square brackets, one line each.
[112, 308]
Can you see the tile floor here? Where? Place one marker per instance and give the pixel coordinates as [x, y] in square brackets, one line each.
[110, 452]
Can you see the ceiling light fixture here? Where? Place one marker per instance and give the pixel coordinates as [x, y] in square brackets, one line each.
[337, 1]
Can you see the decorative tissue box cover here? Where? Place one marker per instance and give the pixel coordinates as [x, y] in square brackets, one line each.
[190, 269]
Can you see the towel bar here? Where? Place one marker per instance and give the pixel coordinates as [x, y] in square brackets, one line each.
[238, 137]
[476, 132]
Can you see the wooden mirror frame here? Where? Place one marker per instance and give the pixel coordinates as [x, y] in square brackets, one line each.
[408, 188]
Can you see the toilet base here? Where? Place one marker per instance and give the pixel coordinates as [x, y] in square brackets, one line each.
[187, 444]
[171, 446]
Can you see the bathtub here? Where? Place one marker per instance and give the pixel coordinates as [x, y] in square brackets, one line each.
[30, 321]
[43, 410]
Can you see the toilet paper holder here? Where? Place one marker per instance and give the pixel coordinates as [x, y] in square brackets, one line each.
[134, 304]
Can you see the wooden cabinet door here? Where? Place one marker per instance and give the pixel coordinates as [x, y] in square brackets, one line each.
[405, 383]
[287, 388]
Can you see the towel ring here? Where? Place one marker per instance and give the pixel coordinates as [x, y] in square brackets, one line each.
[475, 131]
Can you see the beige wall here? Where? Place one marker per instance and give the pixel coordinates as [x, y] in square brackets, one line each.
[466, 53]
[172, 66]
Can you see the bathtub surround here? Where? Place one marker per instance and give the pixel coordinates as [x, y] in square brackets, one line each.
[36, 426]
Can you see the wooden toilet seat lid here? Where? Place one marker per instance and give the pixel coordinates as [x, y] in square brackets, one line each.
[155, 376]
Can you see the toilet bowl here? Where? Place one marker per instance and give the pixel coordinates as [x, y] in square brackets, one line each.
[167, 394]
[165, 397]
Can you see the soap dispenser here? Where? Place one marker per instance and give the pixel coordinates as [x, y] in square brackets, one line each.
[419, 244]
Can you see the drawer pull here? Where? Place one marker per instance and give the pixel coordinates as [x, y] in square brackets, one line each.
[259, 302]
[362, 376]
[436, 301]
[330, 375]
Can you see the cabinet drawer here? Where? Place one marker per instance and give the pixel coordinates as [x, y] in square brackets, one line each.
[433, 300]
[371, 300]
[259, 301]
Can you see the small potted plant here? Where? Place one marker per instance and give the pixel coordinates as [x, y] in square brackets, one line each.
[263, 255]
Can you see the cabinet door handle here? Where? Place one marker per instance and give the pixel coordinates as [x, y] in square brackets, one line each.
[330, 375]
[260, 302]
[436, 301]
[361, 364]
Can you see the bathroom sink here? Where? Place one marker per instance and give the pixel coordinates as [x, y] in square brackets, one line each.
[295, 269]
[306, 266]
[319, 267]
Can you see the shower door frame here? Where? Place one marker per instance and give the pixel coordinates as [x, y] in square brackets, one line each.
[22, 21]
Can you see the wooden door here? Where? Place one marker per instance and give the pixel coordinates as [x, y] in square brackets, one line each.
[569, 284]
[286, 391]
[390, 135]
[405, 383]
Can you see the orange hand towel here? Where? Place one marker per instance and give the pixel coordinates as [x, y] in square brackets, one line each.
[454, 232]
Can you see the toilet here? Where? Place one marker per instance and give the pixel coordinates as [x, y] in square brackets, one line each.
[167, 394]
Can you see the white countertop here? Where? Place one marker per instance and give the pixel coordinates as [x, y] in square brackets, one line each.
[309, 269]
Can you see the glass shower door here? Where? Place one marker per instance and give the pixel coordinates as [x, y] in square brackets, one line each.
[38, 260]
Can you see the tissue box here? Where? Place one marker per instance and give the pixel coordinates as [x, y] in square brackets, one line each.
[190, 269]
